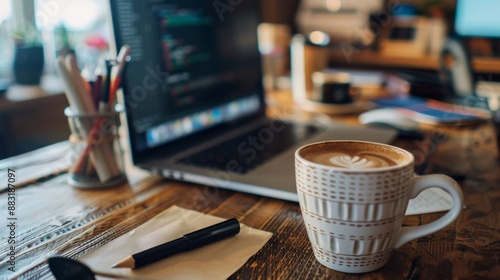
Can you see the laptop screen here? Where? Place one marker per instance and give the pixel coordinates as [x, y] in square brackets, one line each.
[194, 66]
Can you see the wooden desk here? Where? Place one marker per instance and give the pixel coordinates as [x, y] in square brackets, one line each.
[53, 217]
[23, 104]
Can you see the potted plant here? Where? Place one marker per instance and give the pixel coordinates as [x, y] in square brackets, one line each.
[28, 59]
[62, 41]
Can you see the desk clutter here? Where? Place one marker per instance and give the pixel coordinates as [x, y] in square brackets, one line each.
[94, 119]
[212, 252]
[218, 260]
[433, 111]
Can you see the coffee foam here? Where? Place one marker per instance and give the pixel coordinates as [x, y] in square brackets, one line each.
[354, 155]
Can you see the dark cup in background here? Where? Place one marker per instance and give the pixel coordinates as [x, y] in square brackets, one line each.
[332, 88]
[496, 123]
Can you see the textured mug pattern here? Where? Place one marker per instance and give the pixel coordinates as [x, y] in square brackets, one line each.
[353, 218]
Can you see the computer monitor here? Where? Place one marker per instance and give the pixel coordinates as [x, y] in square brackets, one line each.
[478, 18]
[191, 68]
[473, 19]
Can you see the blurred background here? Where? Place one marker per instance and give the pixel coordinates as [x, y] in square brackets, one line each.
[402, 38]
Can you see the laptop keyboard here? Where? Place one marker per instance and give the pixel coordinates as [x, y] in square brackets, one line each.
[245, 152]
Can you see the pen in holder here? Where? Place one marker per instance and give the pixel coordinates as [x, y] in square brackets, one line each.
[96, 154]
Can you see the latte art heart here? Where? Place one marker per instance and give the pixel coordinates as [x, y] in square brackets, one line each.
[362, 161]
[350, 162]
[354, 155]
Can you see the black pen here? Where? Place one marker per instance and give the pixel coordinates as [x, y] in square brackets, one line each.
[187, 242]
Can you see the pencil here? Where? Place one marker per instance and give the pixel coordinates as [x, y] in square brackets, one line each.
[117, 70]
[82, 92]
[187, 242]
[81, 103]
[96, 91]
[103, 107]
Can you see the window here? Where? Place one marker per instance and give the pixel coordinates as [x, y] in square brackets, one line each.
[6, 47]
[80, 25]
[77, 24]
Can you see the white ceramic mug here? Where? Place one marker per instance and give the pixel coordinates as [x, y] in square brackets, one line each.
[352, 211]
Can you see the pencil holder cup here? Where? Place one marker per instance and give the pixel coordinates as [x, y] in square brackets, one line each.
[96, 158]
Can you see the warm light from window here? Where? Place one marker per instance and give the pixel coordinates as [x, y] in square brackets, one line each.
[6, 46]
[75, 15]
[6, 10]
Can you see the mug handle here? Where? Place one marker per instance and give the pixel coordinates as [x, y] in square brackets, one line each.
[421, 183]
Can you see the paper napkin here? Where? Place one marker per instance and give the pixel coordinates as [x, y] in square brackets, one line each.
[215, 261]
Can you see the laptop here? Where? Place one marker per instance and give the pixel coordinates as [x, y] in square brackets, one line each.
[195, 102]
